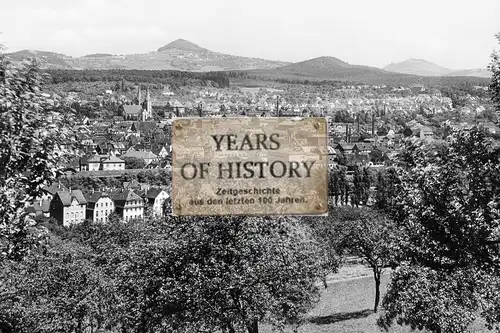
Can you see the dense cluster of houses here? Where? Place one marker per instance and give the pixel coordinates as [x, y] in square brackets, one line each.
[72, 206]
[356, 143]
[294, 99]
[107, 145]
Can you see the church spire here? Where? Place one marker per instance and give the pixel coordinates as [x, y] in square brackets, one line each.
[149, 105]
[147, 108]
[138, 95]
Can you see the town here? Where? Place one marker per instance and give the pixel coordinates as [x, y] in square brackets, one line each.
[334, 198]
[123, 131]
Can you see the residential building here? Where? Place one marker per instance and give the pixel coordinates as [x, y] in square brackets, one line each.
[39, 208]
[93, 163]
[143, 127]
[113, 163]
[128, 205]
[156, 197]
[361, 147]
[99, 207]
[68, 207]
[146, 156]
[48, 192]
[159, 150]
[176, 107]
[345, 148]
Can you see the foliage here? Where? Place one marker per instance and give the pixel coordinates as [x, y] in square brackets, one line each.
[361, 187]
[450, 196]
[341, 159]
[180, 274]
[336, 181]
[371, 236]
[28, 159]
[172, 78]
[441, 301]
[376, 155]
[387, 183]
[361, 232]
[447, 211]
[222, 274]
[134, 163]
[494, 67]
[57, 291]
[86, 184]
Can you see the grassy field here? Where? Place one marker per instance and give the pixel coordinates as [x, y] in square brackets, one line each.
[347, 306]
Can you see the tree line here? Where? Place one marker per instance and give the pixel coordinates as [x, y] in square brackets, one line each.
[180, 78]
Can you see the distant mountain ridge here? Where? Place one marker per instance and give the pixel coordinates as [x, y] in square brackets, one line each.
[184, 55]
[177, 55]
[423, 67]
[331, 68]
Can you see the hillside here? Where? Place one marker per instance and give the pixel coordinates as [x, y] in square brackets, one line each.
[330, 68]
[56, 60]
[186, 56]
[182, 44]
[177, 55]
[423, 67]
[418, 67]
[479, 72]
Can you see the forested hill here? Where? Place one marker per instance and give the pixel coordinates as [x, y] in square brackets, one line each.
[179, 78]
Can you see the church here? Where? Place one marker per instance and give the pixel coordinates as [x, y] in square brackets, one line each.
[138, 111]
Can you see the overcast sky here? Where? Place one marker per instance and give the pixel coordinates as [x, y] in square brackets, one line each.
[456, 34]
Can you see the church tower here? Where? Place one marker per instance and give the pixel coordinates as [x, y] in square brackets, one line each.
[147, 108]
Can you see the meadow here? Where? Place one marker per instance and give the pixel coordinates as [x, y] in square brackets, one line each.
[346, 306]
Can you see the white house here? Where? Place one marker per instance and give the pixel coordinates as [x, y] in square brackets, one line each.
[156, 197]
[128, 205]
[99, 207]
[113, 163]
[68, 207]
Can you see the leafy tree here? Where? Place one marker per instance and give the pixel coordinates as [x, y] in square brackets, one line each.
[334, 185]
[447, 211]
[387, 189]
[494, 67]
[381, 194]
[365, 186]
[223, 274]
[27, 159]
[377, 156]
[127, 177]
[60, 290]
[343, 184]
[341, 159]
[370, 235]
[356, 188]
[134, 163]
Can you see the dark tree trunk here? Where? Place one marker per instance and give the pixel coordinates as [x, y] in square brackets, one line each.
[376, 275]
[253, 327]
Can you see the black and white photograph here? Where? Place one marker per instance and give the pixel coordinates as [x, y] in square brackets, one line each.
[249, 166]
